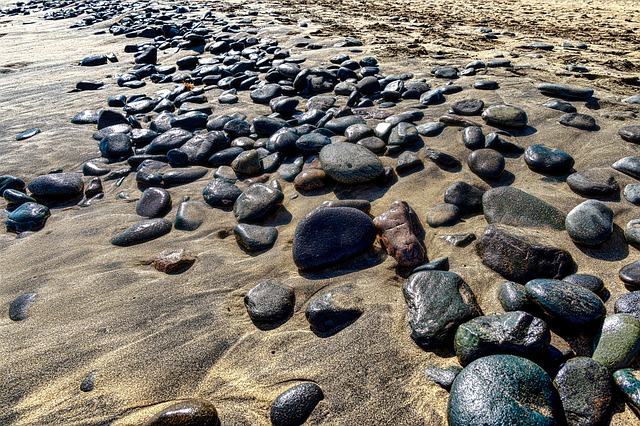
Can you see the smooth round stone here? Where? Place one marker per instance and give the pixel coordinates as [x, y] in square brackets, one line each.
[16, 198]
[269, 302]
[628, 381]
[19, 308]
[511, 206]
[294, 406]
[310, 180]
[312, 142]
[467, 198]
[154, 202]
[284, 105]
[445, 72]
[254, 237]
[401, 135]
[142, 231]
[168, 140]
[629, 304]
[108, 118]
[333, 310]
[187, 412]
[368, 85]
[339, 125]
[264, 94]
[183, 175]
[469, 106]
[408, 161]
[27, 134]
[329, 236]
[632, 193]
[630, 134]
[486, 163]
[27, 217]
[632, 232]
[57, 186]
[505, 116]
[630, 274]
[190, 216]
[585, 390]
[116, 146]
[513, 333]
[513, 297]
[578, 121]
[432, 96]
[221, 193]
[503, 390]
[546, 160]
[629, 166]
[356, 132]
[349, 163]
[373, 144]
[560, 105]
[443, 215]
[570, 303]
[590, 223]
[290, 168]
[88, 116]
[11, 182]
[362, 205]
[257, 202]
[618, 343]
[590, 282]
[593, 183]
[473, 138]
[486, 85]
[225, 156]
[634, 99]
[247, 163]
[431, 129]
[500, 62]
[565, 91]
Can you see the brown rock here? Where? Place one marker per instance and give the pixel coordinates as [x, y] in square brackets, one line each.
[456, 120]
[400, 227]
[171, 262]
[310, 180]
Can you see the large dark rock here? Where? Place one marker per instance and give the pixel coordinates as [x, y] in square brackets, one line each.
[154, 202]
[521, 258]
[294, 406]
[593, 183]
[437, 303]
[331, 235]
[255, 237]
[220, 193]
[511, 206]
[569, 303]
[57, 186]
[542, 159]
[269, 302]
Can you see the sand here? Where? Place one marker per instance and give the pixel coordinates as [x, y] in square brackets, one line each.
[152, 337]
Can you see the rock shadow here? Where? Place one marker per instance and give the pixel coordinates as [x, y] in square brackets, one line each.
[266, 326]
[506, 179]
[369, 259]
[280, 217]
[614, 249]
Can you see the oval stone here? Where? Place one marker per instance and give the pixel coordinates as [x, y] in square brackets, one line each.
[630, 274]
[511, 206]
[567, 302]
[142, 231]
[27, 217]
[590, 223]
[221, 193]
[295, 405]
[154, 202]
[505, 116]
[546, 160]
[349, 163]
[269, 302]
[629, 304]
[628, 381]
[618, 342]
[333, 310]
[257, 202]
[19, 308]
[630, 134]
[57, 186]
[486, 163]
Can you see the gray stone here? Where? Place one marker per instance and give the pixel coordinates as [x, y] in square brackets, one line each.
[632, 193]
[255, 237]
[269, 302]
[257, 202]
[629, 166]
[629, 304]
[590, 223]
[27, 217]
[593, 183]
[154, 202]
[334, 310]
[565, 91]
[295, 405]
[19, 308]
[221, 193]
[349, 163]
[511, 206]
[486, 163]
[142, 231]
[57, 186]
[467, 198]
[443, 215]
[505, 116]
[618, 342]
[578, 121]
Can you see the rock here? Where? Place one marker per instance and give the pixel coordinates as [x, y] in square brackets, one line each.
[521, 258]
[486, 163]
[459, 240]
[566, 302]
[399, 228]
[402, 135]
[593, 183]
[560, 105]
[579, 121]
[630, 134]
[443, 215]
[27, 217]
[255, 237]
[513, 297]
[16, 198]
[247, 163]
[333, 310]
[27, 134]
[565, 91]
[339, 125]
[437, 303]
[183, 175]
[88, 384]
[408, 161]
[486, 85]
[513, 333]
[629, 304]
[176, 412]
[445, 72]
[628, 381]
[629, 166]
[11, 182]
[86, 117]
[503, 390]
[328, 236]
[221, 193]
[295, 405]
[310, 180]
[312, 142]
[635, 99]
[618, 342]
[511, 206]
[350, 164]
[632, 193]
[467, 198]
[257, 202]
[441, 264]
[442, 159]
[89, 85]
[173, 261]
[269, 302]
[190, 216]
[57, 186]
[19, 308]
[109, 118]
[469, 106]
[505, 116]
[433, 128]
[142, 231]
[585, 390]
[630, 274]
[590, 282]
[546, 160]
[362, 205]
[473, 138]
[590, 223]
[154, 202]
[92, 61]
[442, 376]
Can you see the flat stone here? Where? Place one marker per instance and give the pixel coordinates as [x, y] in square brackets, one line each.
[565, 91]
[511, 206]
[590, 223]
[590, 282]
[362, 205]
[88, 116]
[255, 237]
[505, 116]
[630, 133]
[593, 183]
[578, 121]
[27, 134]
[57, 186]
[349, 163]
[470, 106]
[310, 180]
[467, 198]
[631, 193]
[221, 193]
[339, 125]
[437, 303]
[295, 405]
[629, 166]
[486, 163]
[29, 216]
[546, 160]
[560, 105]
[247, 163]
[459, 240]
[173, 261]
[618, 342]
[443, 215]
[334, 310]
[408, 161]
[11, 182]
[19, 308]
[628, 381]
[184, 175]
[257, 202]
[154, 202]
[431, 129]
[399, 228]
[189, 216]
[269, 302]
[142, 231]
[442, 376]
[629, 304]
[486, 85]
[630, 274]
[473, 137]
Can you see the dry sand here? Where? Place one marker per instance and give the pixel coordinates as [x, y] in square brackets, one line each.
[152, 337]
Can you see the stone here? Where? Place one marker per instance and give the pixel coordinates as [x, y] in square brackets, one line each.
[437, 303]
[630, 134]
[399, 228]
[512, 333]
[269, 302]
[430, 129]
[27, 134]
[175, 412]
[183, 175]
[333, 310]
[467, 198]
[362, 205]
[505, 116]
[255, 237]
[486, 163]
[503, 390]
[631, 193]
[142, 231]
[629, 166]
[590, 223]
[328, 236]
[441, 264]
[349, 163]
[459, 240]
[221, 193]
[247, 163]
[469, 106]
[560, 105]
[257, 202]
[190, 215]
[566, 302]
[628, 381]
[565, 91]
[511, 206]
[593, 183]
[542, 159]
[444, 214]
[312, 142]
[472, 137]
[408, 161]
[109, 118]
[88, 116]
[486, 85]
[618, 342]
[629, 304]
[513, 297]
[16, 198]
[310, 180]
[585, 390]
[521, 258]
[295, 405]
[442, 159]
[29, 216]
[19, 308]
[590, 282]
[11, 182]
[630, 274]
[339, 125]
[578, 121]
[154, 202]
[402, 135]
[442, 376]
[173, 261]
[57, 186]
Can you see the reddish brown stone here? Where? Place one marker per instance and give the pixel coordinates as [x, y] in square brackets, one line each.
[171, 262]
[310, 180]
[399, 228]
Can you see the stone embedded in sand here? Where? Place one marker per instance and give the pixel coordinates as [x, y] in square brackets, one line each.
[295, 405]
[349, 163]
[442, 159]
[177, 412]
[19, 308]
[593, 183]
[269, 302]
[442, 376]
[89, 85]
[183, 175]
[590, 223]
[560, 105]
[473, 138]
[173, 261]
[310, 180]
[168, 140]
[618, 342]
[327, 236]
[255, 237]
[57, 186]
[257, 202]
[400, 229]
[29, 216]
[630, 134]
[578, 121]
[486, 163]
[93, 61]
[467, 198]
[190, 215]
[437, 303]
[630, 274]
[431, 129]
[565, 91]
[247, 163]
[629, 166]
[511, 206]
[333, 310]
[566, 302]
[629, 304]
[27, 134]
[154, 202]
[542, 159]
[88, 116]
[16, 198]
[142, 231]
[631, 193]
[628, 381]
[459, 240]
[88, 384]
[408, 161]
[109, 118]
[444, 214]
[505, 116]
[469, 106]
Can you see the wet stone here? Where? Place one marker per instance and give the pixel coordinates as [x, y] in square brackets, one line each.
[142, 231]
[629, 166]
[180, 412]
[590, 282]
[190, 216]
[295, 405]
[350, 164]
[310, 180]
[16, 198]
[27, 134]
[443, 215]
[373, 144]
[340, 125]
[57, 186]
[505, 116]
[473, 138]
[593, 183]
[27, 217]
[247, 163]
[578, 121]
[568, 303]
[173, 261]
[257, 202]
[630, 134]
[269, 302]
[154, 202]
[467, 198]
[362, 205]
[560, 105]
[431, 129]
[86, 117]
[19, 308]
[630, 274]
[565, 91]
[11, 182]
[628, 381]
[333, 310]
[618, 342]
[629, 304]
[183, 175]
[486, 85]
[486, 163]
[470, 106]
[542, 159]
[442, 376]
[590, 223]
[632, 193]
[437, 303]
[511, 206]
[116, 146]
[255, 237]
[513, 297]
[399, 229]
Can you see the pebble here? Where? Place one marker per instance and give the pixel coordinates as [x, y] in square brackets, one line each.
[257, 202]
[473, 138]
[362, 205]
[444, 214]
[629, 166]
[27, 134]
[349, 163]
[221, 193]
[470, 106]
[513, 297]
[247, 163]
[437, 303]
[255, 237]
[190, 216]
[442, 159]
[590, 282]
[579, 121]
[521, 258]
[503, 390]
[183, 175]
[173, 261]
[177, 412]
[11, 182]
[546, 160]
[593, 183]
[310, 180]
[57, 186]
[408, 161]
[486, 85]
[511, 206]
[269, 302]
[19, 308]
[505, 116]
[630, 134]
[618, 342]
[16, 198]
[339, 125]
[88, 384]
[585, 390]
[29, 216]
[459, 240]
[312, 142]
[632, 193]
[630, 274]
[295, 405]
[373, 144]
[629, 304]
[88, 116]
[399, 228]
[590, 223]
[486, 163]
[561, 105]
[333, 310]
[116, 146]
[442, 376]
[635, 99]
[431, 129]
[154, 202]
[513, 333]
[142, 231]
[565, 91]
[628, 381]
[467, 198]
[329, 236]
